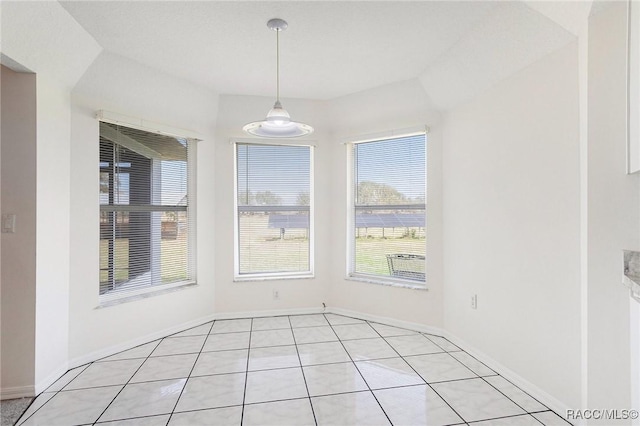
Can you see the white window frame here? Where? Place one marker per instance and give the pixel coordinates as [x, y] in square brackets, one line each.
[263, 276]
[192, 138]
[350, 219]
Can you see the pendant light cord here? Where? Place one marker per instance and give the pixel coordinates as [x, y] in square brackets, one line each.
[278, 123]
[278, 65]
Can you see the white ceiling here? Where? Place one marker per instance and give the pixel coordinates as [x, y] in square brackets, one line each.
[331, 48]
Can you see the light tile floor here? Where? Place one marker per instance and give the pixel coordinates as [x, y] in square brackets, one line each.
[323, 369]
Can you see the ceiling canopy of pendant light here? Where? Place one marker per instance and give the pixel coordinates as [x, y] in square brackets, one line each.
[278, 123]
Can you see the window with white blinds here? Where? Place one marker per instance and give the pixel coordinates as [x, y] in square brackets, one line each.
[274, 220]
[147, 232]
[388, 212]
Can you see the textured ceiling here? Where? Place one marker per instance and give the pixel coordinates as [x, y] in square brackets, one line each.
[513, 37]
[41, 37]
[331, 48]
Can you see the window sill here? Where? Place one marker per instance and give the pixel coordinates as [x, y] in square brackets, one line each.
[387, 282]
[149, 292]
[239, 279]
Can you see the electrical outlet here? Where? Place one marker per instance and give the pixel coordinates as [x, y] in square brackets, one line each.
[474, 301]
[276, 295]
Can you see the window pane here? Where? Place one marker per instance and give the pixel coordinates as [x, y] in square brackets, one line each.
[149, 248]
[122, 188]
[383, 233]
[273, 193]
[273, 175]
[104, 187]
[274, 242]
[390, 171]
[173, 247]
[389, 191]
[114, 250]
[144, 217]
[172, 184]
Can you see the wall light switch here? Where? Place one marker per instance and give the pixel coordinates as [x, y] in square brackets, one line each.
[8, 223]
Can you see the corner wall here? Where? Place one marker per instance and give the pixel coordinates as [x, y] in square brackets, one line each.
[511, 163]
[387, 108]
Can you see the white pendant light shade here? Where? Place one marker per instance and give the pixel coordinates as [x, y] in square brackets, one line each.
[278, 123]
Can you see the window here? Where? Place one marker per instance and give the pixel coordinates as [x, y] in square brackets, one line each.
[147, 227]
[388, 210]
[274, 215]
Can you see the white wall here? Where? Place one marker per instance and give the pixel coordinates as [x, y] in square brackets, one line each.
[613, 213]
[119, 85]
[392, 107]
[18, 263]
[250, 296]
[43, 38]
[52, 224]
[511, 209]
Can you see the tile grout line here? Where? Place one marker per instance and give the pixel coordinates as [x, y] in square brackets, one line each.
[506, 396]
[295, 343]
[426, 336]
[536, 419]
[419, 375]
[511, 383]
[189, 375]
[444, 381]
[500, 391]
[127, 419]
[86, 366]
[104, 358]
[18, 422]
[70, 381]
[483, 377]
[123, 386]
[501, 418]
[246, 373]
[192, 328]
[550, 411]
[478, 375]
[304, 377]
[475, 359]
[33, 400]
[359, 372]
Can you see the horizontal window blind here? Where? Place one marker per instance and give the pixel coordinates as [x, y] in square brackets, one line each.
[147, 231]
[273, 206]
[389, 208]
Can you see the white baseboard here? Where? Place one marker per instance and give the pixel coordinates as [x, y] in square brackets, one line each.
[273, 313]
[386, 320]
[17, 392]
[51, 378]
[111, 350]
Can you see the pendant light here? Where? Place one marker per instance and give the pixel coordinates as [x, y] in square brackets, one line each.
[278, 123]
